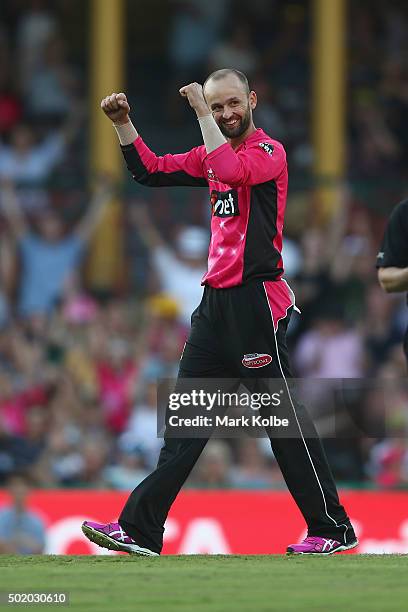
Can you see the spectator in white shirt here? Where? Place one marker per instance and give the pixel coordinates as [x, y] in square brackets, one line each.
[181, 269]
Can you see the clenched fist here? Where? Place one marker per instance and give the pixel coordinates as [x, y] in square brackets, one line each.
[195, 96]
[116, 107]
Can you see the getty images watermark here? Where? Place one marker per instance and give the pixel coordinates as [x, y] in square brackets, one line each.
[339, 408]
[224, 400]
[221, 408]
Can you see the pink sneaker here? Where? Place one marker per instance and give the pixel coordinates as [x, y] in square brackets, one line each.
[113, 537]
[314, 545]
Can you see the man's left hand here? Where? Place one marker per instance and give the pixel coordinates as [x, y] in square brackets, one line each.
[194, 94]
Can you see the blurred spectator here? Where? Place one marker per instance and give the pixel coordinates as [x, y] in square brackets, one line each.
[26, 161]
[214, 466]
[129, 468]
[376, 149]
[192, 34]
[162, 320]
[268, 113]
[22, 531]
[37, 428]
[52, 86]
[141, 431]
[61, 462]
[330, 350]
[10, 104]
[15, 453]
[48, 257]
[388, 461]
[7, 277]
[35, 27]
[237, 51]
[15, 404]
[116, 374]
[94, 454]
[180, 271]
[252, 470]
[291, 255]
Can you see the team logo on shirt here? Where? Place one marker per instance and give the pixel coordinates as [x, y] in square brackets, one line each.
[211, 175]
[224, 203]
[256, 360]
[267, 147]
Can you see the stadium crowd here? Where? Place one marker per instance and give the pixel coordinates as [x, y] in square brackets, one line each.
[78, 369]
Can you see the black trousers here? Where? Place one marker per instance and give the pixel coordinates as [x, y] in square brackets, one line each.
[227, 325]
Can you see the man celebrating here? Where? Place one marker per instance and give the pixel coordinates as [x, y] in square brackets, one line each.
[239, 328]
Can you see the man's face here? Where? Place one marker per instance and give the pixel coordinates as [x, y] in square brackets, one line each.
[18, 491]
[230, 104]
[51, 228]
[22, 139]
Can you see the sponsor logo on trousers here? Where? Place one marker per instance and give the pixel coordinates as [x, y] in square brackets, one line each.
[256, 360]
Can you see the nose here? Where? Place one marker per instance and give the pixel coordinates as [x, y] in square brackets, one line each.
[227, 113]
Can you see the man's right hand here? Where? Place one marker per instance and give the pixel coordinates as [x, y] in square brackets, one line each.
[117, 108]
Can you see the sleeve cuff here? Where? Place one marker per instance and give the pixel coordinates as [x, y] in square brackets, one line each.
[127, 133]
[131, 145]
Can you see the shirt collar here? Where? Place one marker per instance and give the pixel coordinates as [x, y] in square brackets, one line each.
[254, 136]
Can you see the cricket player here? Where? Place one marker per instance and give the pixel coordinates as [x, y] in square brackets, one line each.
[239, 328]
[392, 259]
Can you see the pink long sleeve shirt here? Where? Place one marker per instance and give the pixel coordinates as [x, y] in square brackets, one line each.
[247, 188]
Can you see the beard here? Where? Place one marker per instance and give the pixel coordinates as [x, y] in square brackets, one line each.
[237, 131]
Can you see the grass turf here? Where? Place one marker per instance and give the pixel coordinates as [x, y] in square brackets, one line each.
[213, 583]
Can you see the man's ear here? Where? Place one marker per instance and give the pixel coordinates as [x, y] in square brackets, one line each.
[253, 100]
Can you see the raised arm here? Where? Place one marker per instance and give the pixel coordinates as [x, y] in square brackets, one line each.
[146, 167]
[254, 165]
[100, 198]
[12, 209]
[148, 233]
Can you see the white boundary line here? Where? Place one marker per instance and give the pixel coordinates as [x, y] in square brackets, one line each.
[298, 424]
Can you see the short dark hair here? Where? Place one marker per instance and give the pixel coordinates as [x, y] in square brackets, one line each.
[224, 72]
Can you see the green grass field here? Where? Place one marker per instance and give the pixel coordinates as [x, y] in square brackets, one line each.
[214, 583]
